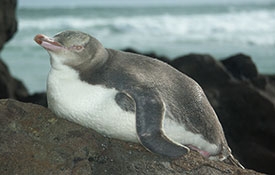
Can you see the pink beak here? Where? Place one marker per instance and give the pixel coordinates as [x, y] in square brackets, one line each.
[48, 43]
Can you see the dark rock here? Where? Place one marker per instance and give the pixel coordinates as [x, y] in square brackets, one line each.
[8, 22]
[269, 90]
[34, 141]
[36, 98]
[260, 82]
[248, 119]
[9, 86]
[203, 68]
[241, 66]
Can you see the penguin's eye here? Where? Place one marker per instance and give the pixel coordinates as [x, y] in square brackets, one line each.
[77, 47]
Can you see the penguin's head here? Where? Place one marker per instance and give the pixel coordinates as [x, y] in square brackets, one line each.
[72, 48]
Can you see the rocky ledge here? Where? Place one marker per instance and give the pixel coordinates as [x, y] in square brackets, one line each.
[34, 141]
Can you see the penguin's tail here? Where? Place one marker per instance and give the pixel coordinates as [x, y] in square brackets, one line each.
[232, 160]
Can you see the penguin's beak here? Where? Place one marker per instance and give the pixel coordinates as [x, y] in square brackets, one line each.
[48, 43]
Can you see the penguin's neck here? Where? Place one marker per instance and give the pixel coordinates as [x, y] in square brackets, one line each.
[59, 77]
[57, 62]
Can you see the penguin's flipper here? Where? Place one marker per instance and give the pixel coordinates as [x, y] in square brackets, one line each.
[150, 110]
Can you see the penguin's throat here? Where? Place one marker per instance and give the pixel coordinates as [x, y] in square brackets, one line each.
[202, 152]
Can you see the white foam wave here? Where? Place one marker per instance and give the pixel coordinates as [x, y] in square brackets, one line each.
[256, 27]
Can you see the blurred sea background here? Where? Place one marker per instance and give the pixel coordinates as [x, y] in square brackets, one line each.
[166, 27]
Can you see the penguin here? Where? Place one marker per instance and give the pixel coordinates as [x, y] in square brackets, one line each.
[131, 97]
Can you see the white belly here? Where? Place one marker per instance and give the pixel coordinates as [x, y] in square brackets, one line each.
[88, 105]
[94, 106]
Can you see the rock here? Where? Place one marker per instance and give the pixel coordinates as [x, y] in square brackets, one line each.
[8, 22]
[36, 98]
[9, 86]
[241, 67]
[203, 68]
[34, 141]
[269, 89]
[248, 119]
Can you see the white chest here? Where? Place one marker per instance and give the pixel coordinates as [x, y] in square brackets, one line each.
[90, 105]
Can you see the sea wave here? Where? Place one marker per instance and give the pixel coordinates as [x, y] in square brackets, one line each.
[249, 27]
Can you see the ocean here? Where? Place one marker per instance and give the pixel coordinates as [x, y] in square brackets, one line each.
[221, 29]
